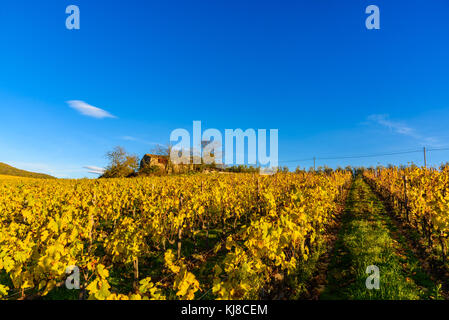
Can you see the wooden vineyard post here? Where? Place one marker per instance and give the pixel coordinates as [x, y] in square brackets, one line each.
[136, 272]
[91, 227]
[180, 230]
[91, 223]
[405, 199]
[258, 195]
[443, 247]
[207, 227]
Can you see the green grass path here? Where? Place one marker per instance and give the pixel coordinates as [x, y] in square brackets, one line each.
[369, 237]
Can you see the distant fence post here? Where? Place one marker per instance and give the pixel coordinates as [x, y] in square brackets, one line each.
[425, 158]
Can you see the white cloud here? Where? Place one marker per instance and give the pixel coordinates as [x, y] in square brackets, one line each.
[397, 127]
[401, 128]
[94, 169]
[129, 138]
[88, 110]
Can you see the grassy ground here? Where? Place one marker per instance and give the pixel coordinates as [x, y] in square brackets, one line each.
[369, 237]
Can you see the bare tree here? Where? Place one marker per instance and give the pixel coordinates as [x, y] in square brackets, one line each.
[121, 164]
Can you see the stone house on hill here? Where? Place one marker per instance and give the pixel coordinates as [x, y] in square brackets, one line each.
[154, 160]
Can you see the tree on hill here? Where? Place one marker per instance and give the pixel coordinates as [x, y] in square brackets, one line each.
[121, 164]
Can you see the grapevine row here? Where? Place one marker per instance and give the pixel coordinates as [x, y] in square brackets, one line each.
[421, 198]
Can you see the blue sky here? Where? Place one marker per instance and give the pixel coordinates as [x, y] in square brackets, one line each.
[308, 68]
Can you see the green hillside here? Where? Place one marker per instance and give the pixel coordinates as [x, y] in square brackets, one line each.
[11, 171]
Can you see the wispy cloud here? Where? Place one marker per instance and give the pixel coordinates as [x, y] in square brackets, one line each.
[395, 126]
[88, 110]
[94, 169]
[401, 128]
[129, 138]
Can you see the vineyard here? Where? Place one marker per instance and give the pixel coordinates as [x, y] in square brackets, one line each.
[420, 198]
[211, 236]
[226, 236]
